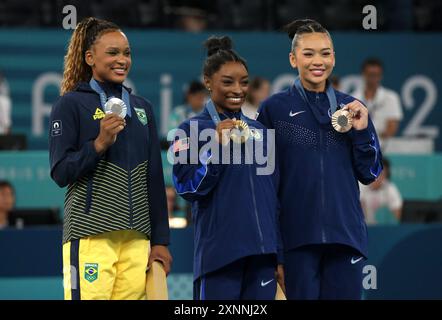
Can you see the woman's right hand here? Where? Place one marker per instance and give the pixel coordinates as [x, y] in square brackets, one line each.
[223, 130]
[110, 126]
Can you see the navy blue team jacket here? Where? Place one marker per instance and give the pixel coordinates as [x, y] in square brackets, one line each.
[319, 170]
[234, 210]
[122, 189]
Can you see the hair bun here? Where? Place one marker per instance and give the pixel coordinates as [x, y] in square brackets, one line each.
[293, 27]
[215, 44]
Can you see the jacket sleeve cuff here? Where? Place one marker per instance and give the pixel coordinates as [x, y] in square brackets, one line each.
[361, 136]
[162, 241]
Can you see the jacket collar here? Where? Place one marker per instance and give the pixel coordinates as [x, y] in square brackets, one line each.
[225, 115]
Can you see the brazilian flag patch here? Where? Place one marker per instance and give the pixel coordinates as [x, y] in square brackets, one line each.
[91, 271]
[141, 114]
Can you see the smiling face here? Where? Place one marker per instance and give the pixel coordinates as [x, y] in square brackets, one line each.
[229, 86]
[314, 58]
[110, 57]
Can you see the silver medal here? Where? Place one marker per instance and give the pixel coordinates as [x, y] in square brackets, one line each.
[117, 106]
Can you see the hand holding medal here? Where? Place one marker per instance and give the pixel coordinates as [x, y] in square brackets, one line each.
[353, 114]
[240, 133]
[223, 129]
[232, 129]
[110, 126]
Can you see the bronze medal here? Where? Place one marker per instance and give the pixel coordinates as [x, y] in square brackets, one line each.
[341, 120]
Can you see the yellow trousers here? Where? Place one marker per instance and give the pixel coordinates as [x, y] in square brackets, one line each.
[108, 266]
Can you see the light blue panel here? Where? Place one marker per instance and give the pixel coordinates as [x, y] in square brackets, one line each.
[51, 288]
[180, 286]
[417, 177]
[29, 173]
[42, 288]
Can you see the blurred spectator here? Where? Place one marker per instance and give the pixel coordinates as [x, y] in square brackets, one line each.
[335, 82]
[259, 90]
[176, 218]
[195, 98]
[7, 202]
[383, 104]
[191, 19]
[381, 200]
[5, 107]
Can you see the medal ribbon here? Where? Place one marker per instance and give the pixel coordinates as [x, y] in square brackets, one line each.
[103, 98]
[214, 114]
[330, 95]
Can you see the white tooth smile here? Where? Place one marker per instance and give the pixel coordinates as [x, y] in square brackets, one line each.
[234, 99]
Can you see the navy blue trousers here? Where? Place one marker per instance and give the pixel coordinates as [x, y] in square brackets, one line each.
[324, 272]
[249, 278]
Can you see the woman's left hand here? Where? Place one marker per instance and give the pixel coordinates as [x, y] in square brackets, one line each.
[160, 253]
[279, 274]
[360, 114]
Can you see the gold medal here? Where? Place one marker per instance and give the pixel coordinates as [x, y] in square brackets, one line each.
[341, 120]
[241, 132]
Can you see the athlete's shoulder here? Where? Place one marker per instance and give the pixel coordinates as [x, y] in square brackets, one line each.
[141, 102]
[79, 94]
[69, 101]
[276, 100]
[344, 98]
[202, 119]
[279, 97]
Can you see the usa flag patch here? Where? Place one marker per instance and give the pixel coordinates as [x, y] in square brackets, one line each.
[181, 145]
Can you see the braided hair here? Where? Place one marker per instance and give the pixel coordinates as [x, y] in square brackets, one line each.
[75, 67]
